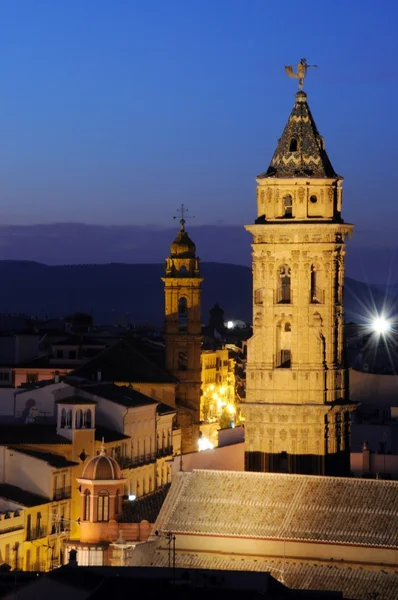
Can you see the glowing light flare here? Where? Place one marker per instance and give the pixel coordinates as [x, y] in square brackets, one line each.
[230, 324]
[381, 325]
[204, 444]
[231, 409]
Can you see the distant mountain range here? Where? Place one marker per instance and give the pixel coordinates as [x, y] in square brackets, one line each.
[133, 293]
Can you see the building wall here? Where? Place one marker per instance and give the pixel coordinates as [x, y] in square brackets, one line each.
[373, 389]
[28, 473]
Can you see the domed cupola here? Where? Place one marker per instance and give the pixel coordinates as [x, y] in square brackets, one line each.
[183, 246]
[102, 468]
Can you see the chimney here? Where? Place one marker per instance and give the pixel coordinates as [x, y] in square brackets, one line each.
[56, 377]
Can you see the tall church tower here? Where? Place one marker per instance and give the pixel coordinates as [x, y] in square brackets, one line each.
[183, 332]
[297, 408]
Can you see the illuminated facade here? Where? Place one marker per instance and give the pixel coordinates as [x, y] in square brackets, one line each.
[183, 333]
[218, 385]
[297, 407]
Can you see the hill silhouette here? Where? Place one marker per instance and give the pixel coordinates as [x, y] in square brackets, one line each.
[133, 293]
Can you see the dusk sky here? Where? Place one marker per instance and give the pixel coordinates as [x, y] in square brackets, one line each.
[116, 112]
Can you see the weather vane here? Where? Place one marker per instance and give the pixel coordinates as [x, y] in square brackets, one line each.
[301, 72]
[182, 215]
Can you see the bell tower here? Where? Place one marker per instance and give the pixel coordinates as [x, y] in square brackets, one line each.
[297, 407]
[183, 332]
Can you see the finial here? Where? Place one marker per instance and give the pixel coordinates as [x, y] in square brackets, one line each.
[183, 216]
[301, 72]
[103, 452]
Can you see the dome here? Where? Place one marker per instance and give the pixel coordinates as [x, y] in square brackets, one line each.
[102, 467]
[183, 246]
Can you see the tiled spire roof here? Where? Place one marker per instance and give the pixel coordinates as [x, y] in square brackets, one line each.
[300, 151]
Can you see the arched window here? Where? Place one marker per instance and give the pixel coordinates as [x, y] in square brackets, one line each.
[316, 293]
[183, 270]
[288, 207]
[103, 506]
[79, 419]
[117, 502]
[293, 145]
[63, 418]
[87, 419]
[69, 418]
[283, 290]
[283, 345]
[182, 314]
[87, 511]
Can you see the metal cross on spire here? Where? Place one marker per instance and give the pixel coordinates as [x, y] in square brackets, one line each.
[182, 213]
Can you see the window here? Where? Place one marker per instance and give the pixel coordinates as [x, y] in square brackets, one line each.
[60, 354]
[283, 292]
[86, 512]
[258, 296]
[72, 354]
[288, 207]
[293, 145]
[117, 502]
[313, 199]
[103, 506]
[87, 419]
[79, 418]
[63, 418]
[182, 361]
[182, 314]
[285, 359]
[5, 376]
[316, 294]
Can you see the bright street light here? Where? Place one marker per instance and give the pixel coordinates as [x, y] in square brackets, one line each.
[380, 325]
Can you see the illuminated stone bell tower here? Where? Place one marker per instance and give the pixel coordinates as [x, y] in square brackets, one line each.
[183, 332]
[297, 407]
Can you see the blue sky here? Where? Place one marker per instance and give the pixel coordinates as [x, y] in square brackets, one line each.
[117, 111]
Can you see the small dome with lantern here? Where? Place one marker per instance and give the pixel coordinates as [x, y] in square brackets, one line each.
[102, 467]
[183, 246]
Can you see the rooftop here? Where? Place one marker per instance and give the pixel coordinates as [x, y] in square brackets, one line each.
[122, 362]
[281, 506]
[300, 151]
[42, 433]
[19, 496]
[109, 435]
[75, 400]
[145, 508]
[120, 394]
[54, 460]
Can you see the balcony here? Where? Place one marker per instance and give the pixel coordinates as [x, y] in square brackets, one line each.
[36, 533]
[283, 295]
[128, 462]
[62, 493]
[165, 452]
[317, 296]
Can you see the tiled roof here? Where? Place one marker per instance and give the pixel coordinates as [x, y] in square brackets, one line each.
[120, 394]
[124, 363]
[354, 582]
[54, 460]
[300, 151]
[109, 435]
[146, 508]
[42, 433]
[75, 400]
[281, 506]
[16, 494]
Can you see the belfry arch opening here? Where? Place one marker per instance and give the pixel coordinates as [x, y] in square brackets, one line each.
[316, 291]
[182, 314]
[287, 206]
[283, 285]
[284, 345]
[293, 147]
